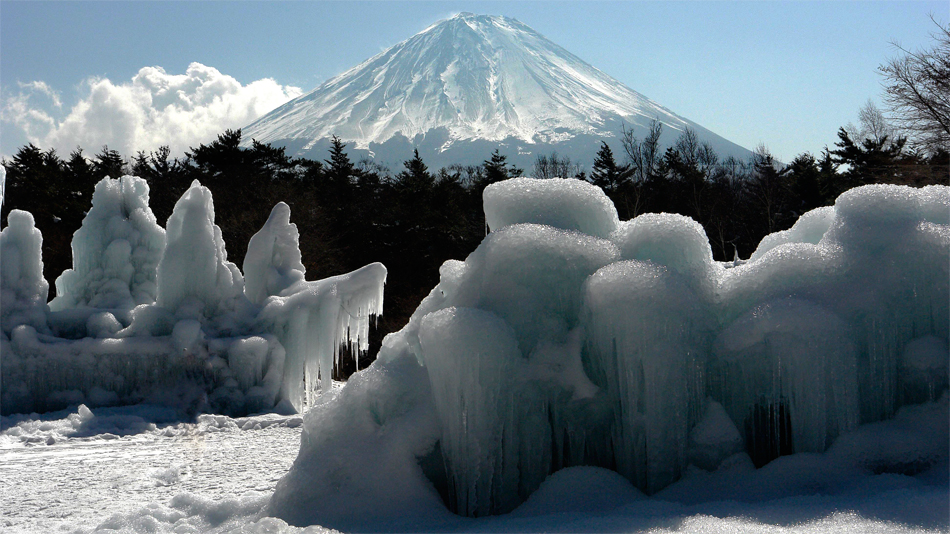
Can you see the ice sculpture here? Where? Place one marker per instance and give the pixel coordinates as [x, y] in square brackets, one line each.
[194, 272]
[272, 263]
[568, 338]
[115, 252]
[138, 320]
[23, 289]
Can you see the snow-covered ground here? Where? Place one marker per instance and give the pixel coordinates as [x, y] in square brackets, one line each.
[65, 472]
[135, 470]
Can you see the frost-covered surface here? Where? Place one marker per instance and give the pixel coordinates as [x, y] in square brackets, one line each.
[147, 315]
[138, 469]
[549, 348]
[115, 252]
[23, 290]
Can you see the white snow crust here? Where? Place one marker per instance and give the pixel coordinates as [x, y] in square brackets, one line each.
[138, 470]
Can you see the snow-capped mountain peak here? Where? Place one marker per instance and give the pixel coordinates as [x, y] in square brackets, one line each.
[469, 77]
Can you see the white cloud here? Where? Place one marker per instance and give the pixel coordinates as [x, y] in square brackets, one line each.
[154, 108]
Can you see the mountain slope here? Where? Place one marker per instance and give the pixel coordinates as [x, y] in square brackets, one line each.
[468, 82]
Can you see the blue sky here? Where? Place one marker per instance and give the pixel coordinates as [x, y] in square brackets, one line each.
[783, 74]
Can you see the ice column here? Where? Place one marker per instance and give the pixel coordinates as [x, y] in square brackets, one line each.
[646, 343]
[3, 183]
[272, 263]
[115, 252]
[896, 244]
[194, 275]
[472, 357]
[787, 363]
[23, 291]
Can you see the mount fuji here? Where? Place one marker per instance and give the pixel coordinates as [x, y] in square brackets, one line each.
[464, 87]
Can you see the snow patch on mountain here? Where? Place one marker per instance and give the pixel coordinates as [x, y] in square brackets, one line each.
[478, 77]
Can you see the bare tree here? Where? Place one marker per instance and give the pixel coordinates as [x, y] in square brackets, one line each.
[687, 144]
[707, 157]
[643, 156]
[872, 124]
[555, 166]
[917, 90]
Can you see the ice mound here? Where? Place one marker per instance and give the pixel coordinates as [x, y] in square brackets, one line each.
[562, 203]
[115, 252]
[809, 228]
[23, 290]
[564, 340]
[195, 277]
[139, 318]
[714, 438]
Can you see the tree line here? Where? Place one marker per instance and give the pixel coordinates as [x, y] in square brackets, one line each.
[353, 213]
[413, 219]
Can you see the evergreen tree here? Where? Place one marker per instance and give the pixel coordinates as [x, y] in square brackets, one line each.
[606, 174]
[496, 169]
[339, 168]
[416, 178]
[876, 159]
[805, 180]
[108, 163]
[769, 190]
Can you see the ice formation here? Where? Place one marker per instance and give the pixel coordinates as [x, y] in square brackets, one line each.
[632, 350]
[194, 275]
[23, 289]
[272, 263]
[115, 252]
[139, 317]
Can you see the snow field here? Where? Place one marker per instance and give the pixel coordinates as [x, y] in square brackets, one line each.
[135, 469]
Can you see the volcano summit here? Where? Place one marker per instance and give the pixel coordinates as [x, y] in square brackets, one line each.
[462, 88]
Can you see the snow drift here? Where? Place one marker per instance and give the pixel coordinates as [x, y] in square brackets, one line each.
[157, 314]
[628, 348]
